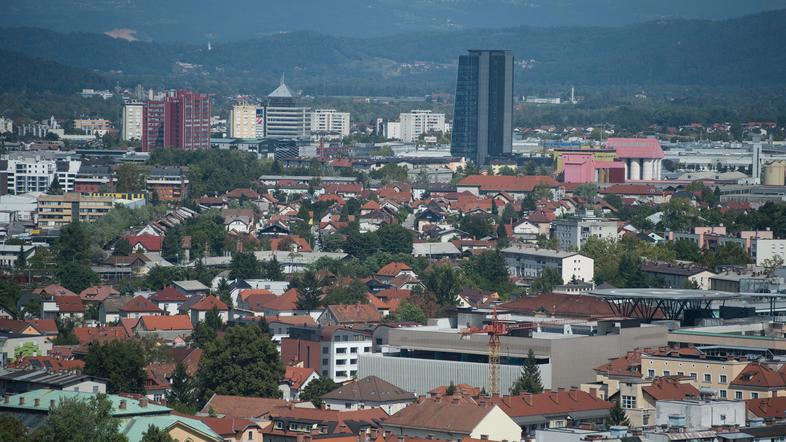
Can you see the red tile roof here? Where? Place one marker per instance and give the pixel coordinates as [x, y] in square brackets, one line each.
[393, 269]
[628, 365]
[46, 326]
[760, 375]
[355, 313]
[156, 323]
[296, 376]
[140, 304]
[457, 415]
[496, 183]
[459, 389]
[558, 304]
[100, 335]
[389, 294]
[302, 244]
[227, 427]
[97, 293]
[241, 406]
[550, 403]
[238, 193]
[208, 303]
[670, 389]
[69, 304]
[305, 320]
[151, 243]
[767, 408]
[54, 290]
[631, 189]
[168, 294]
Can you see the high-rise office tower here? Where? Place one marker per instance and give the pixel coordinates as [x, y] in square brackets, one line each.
[180, 121]
[483, 112]
[283, 117]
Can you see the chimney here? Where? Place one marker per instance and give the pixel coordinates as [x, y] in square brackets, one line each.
[593, 392]
[51, 403]
[36, 402]
[122, 405]
[21, 400]
[528, 398]
[143, 402]
[6, 399]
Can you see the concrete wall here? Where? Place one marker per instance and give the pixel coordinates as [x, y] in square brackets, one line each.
[421, 375]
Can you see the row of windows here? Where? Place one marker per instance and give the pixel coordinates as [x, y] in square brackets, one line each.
[723, 379]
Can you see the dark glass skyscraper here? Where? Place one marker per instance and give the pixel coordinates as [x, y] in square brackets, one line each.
[483, 113]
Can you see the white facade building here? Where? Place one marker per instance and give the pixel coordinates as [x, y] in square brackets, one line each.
[529, 262]
[36, 175]
[6, 125]
[132, 121]
[393, 130]
[764, 249]
[572, 233]
[243, 121]
[418, 122]
[330, 121]
[340, 354]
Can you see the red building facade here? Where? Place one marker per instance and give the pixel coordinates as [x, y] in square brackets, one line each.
[180, 121]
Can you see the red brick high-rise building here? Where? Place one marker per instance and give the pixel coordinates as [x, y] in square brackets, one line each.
[180, 121]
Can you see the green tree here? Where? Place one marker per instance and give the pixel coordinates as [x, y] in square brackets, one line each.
[55, 188]
[488, 271]
[315, 389]
[587, 191]
[409, 312]
[213, 319]
[65, 333]
[182, 395]
[12, 429]
[445, 283]
[772, 264]
[121, 362]
[477, 225]
[9, 294]
[309, 291]
[679, 214]
[631, 273]
[686, 250]
[272, 269]
[224, 292]
[73, 245]
[130, 178]
[81, 420]
[726, 254]
[122, 247]
[76, 276]
[352, 293]
[529, 379]
[243, 362]
[451, 390]
[202, 335]
[155, 434]
[617, 415]
[545, 282]
[244, 265]
[393, 238]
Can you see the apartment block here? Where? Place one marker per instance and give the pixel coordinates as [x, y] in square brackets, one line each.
[59, 210]
[418, 122]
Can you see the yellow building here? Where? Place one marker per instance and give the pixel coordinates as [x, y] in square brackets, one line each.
[243, 121]
[705, 371]
[60, 210]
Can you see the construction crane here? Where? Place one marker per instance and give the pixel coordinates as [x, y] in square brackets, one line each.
[497, 328]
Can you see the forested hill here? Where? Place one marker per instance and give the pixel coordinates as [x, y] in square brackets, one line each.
[21, 74]
[738, 52]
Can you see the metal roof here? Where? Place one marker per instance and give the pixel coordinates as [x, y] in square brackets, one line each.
[669, 294]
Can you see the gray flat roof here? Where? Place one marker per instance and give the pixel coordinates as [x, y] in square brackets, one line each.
[669, 294]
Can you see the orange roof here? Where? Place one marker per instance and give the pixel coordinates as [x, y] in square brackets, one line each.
[550, 402]
[101, 335]
[46, 326]
[393, 269]
[760, 375]
[241, 406]
[208, 303]
[389, 294]
[376, 302]
[140, 304]
[226, 426]
[768, 408]
[670, 389]
[459, 389]
[370, 205]
[561, 304]
[628, 365]
[354, 313]
[302, 244]
[168, 294]
[248, 292]
[176, 322]
[498, 183]
[296, 376]
[97, 293]
[69, 304]
[54, 290]
[305, 320]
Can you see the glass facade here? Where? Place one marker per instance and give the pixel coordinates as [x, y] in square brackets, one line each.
[483, 113]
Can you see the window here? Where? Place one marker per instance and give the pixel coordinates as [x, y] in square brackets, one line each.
[484, 437]
[738, 395]
[325, 362]
[707, 377]
[279, 425]
[341, 350]
[95, 388]
[680, 373]
[754, 395]
[353, 350]
[628, 402]
[723, 394]
[666, 373]
[694, 376]
[341, 361]
[250, 435]
[366, 349]
[723, 379]
[325, 350]
[650, 373]
[347, 405]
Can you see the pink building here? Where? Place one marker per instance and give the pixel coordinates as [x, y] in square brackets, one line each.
[584, 168]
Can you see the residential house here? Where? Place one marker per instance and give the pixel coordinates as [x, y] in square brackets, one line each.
[145, 243]
[529, 262]
[759, 380]
[239, 220]
[331, 351]
[191, 287]
[292, 424]
[165, 327]
[679, 275]
[392, 270]
[109, 309]
[137, 307]
[63, 307]
[453, 418]
[168, 300]
[295, 380]
[97, 293]
[199, 310]
[256, 409]
[553, 409]
[369, 392]
[348, 315]
[233, 429]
